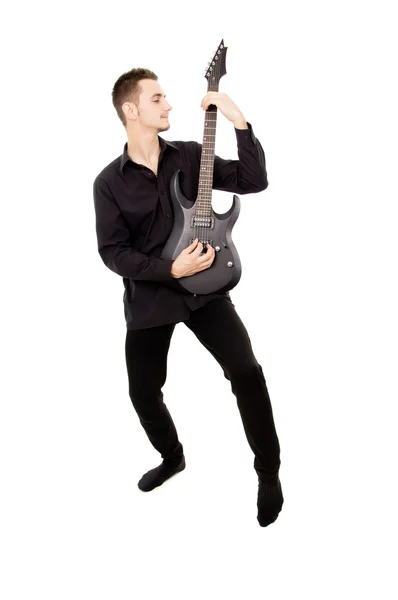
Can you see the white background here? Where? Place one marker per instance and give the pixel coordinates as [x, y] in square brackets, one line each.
[317, 81]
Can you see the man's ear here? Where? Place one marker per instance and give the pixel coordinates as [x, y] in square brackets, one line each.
[130, 110]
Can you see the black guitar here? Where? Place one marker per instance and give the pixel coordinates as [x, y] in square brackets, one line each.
[197, 219]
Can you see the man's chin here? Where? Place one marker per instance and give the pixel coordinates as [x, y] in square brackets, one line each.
[165, 127]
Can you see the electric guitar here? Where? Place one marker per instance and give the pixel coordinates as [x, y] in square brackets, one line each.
[198, 219]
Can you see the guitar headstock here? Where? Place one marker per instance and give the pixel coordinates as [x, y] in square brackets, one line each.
[216, 67]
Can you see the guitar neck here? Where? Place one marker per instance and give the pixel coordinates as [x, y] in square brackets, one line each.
[203, 203]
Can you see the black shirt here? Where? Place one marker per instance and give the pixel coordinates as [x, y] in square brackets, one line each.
[134, 219]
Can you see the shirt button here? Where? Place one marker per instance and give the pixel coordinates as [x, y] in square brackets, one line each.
[168, 214]
[194, 295]
[162, 192]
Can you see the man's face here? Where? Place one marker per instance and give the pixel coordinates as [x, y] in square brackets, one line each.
[153, 109]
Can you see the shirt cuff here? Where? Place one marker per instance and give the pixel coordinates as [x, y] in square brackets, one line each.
[245, 137]
[163, 269]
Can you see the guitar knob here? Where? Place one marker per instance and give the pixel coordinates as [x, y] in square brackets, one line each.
[230, 264]
[217, 248]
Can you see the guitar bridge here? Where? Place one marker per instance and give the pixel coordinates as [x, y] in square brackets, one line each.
[204, 241]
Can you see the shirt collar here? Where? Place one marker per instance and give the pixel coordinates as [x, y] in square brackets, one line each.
[163, 145]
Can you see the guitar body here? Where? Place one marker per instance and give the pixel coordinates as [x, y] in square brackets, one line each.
[225, 271]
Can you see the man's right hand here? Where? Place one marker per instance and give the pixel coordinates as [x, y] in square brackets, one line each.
[190, 262]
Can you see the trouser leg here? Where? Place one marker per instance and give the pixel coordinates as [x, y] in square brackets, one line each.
[146, 353]
[219, 328]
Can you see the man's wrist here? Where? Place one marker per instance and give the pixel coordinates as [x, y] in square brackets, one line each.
[240, 123]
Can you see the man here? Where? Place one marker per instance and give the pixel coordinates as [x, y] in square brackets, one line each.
[134, 218]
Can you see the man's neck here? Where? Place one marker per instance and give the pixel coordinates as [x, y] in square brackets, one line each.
[144, 148]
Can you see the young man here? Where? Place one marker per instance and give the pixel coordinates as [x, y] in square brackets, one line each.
[134, 218]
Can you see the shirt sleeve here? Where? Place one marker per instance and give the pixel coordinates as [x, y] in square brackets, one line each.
[114, 245]
[246, 175]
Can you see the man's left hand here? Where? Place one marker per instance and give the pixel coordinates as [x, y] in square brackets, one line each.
[226, 106]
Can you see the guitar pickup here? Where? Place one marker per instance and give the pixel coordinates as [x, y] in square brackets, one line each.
[207, 222]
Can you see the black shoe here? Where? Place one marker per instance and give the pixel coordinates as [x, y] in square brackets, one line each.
[156, 477]
[269, 501]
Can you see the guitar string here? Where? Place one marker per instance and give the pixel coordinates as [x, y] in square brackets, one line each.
[212, 141]
[208, 182]
[197, 227]
[198, 231]
[203, 202]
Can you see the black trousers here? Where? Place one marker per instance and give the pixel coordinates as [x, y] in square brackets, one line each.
[219, 328]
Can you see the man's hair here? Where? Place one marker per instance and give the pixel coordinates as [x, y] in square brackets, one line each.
[127, 89]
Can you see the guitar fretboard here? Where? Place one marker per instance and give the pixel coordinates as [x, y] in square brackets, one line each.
[203, 202]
